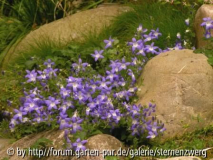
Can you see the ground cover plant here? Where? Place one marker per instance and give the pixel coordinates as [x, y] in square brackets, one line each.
[99, 99]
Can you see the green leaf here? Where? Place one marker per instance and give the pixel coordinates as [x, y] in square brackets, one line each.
[210, 60]
[177, 2]
[96, 132]
[29, 64]
[116, 41]
[111, 158]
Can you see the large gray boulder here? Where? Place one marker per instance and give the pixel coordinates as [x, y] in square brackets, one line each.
[204, 11]
[68, 29]
[181, 85]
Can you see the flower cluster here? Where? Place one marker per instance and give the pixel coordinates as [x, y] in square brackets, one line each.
[76, 99]
[207, 24]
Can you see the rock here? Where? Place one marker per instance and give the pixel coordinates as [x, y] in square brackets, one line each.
[204, 11]
[102, 142]
[95, 144]
[181, 84]
[55, 136]
[70, 28]
[4, 143]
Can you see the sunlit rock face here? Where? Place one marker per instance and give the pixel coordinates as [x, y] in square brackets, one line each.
[203, 12]
[180, 83]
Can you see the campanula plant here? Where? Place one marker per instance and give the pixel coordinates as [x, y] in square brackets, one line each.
[84, 96]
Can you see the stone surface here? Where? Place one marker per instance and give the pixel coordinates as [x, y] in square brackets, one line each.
[4, 143]
[69, 28]
[26, 142]
[181, 84]
[204, 11]
[96, 143]
[102, 142]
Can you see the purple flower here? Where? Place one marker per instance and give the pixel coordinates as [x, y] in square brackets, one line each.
[98, 54]
[111, 75]
[42, 75]
[156, 33]
[64, 121]
[151, 48]
[140, 29]
[108, 42]
[151, 135]
[78, 66]
[149, 37]
[123, 94]
[207, 34]
[79, 145]
[130, 73]
[115, 65]
[9, 102]
[178, 46]
[178, 35]
[93, 86]
[123, 64]
[135, 121]
[31, 76]
[187, 21]
[135, 130]
[115, 115]
[135, 111]
[80, 96]
[50, 71]
[75, 124]
[134, 61]
[74, 83]
[49, 63]
[208, 23]
[19, 114]
[91, 104]
[141, 50]
[52, 103]
[38, 119]
[30, 105]
[65, 93]
[13, 122]
[135, 44]
[103, 83]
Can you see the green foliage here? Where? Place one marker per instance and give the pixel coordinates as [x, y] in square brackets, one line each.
[41, 143]
[199, 139]
[26, 129]
[208, 51]
[111, 158]
[11, 31]
[151, 16]
[5, 130]
[10, 88]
